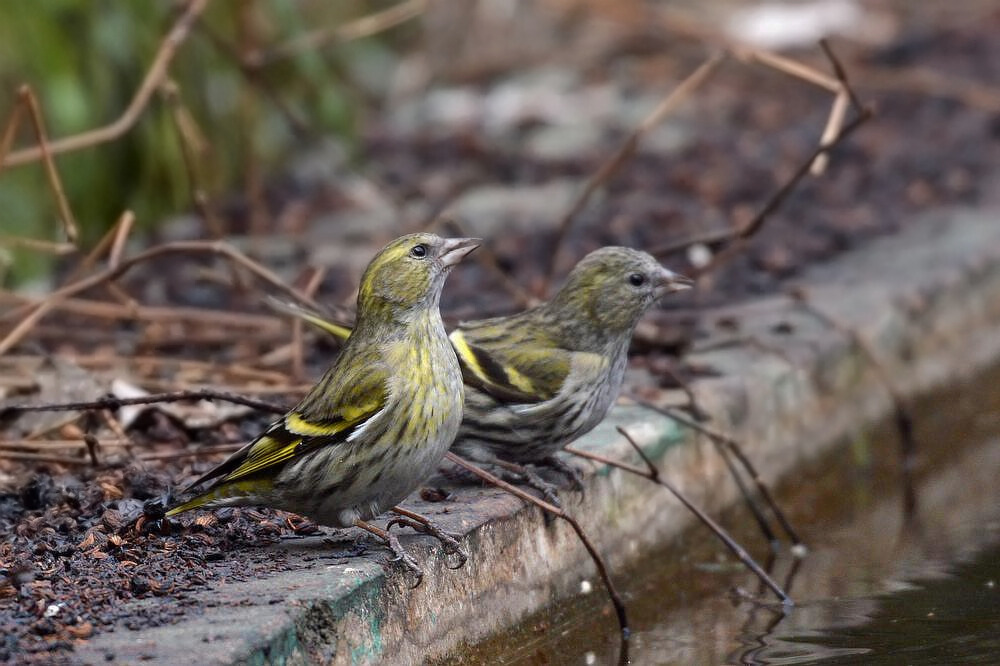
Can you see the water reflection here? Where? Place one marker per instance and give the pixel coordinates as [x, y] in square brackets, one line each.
[955, 619]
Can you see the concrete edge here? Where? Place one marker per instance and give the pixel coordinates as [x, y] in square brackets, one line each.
[926, 299]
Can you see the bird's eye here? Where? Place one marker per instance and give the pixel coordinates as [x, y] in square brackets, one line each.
[637, 279]
[419, 251]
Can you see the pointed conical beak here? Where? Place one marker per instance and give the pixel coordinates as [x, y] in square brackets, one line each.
[453, 250]
[667, 282]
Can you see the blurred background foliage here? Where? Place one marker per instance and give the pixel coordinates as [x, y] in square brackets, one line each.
[85, 60]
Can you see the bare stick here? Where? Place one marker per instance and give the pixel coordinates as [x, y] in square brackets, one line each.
[252, 323]
[193, 453]
[193, 148]
[488, 260]
[734, 447]
[51, 247]
[42, 458]
[298, 355]
[65, 213]
[41, 445]
[788, 66]
[845, 94]
[841, 73]
[154, 76]
[9, 131]
[653, 474]
[112, 402]
[740, 236]
[177, 247]
[363, 27]
[755, 510]
[627, 149]
[115, 237]
[616, 599]
[902, 412]
[125, 224]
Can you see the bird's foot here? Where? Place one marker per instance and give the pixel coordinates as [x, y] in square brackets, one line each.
[420, 523]
[397, 549]
[571, 473]
[404, 558]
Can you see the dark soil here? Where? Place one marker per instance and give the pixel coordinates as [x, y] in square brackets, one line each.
[80, 541]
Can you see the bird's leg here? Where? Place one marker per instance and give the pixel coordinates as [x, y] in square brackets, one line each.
[530, 478]
[397, 549]
[449, 542]
[567, 470]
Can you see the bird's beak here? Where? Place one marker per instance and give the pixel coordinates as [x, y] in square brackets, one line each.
[454, 249]
[667, 282]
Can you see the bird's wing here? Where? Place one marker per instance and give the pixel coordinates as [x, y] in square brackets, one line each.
[342, 403]
[510, 364]
[513, 366]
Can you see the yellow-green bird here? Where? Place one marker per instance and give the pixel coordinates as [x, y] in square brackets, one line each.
[379, 421]
[538, 379]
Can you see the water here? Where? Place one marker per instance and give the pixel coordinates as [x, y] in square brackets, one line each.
[876, 587]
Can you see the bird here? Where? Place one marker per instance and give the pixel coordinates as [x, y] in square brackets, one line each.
[537, 380]
[381, 418]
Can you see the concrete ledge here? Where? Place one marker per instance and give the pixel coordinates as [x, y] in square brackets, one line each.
[928, 300]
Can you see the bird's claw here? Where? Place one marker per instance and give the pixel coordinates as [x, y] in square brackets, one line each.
[405, 558]
[571, 473]
[449, 541]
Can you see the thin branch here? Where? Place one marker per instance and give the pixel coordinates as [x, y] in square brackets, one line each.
[155, 75]
[192, 453]
[613, 164]
[27, 96]
[51, 247]
[734, 447]
[112, 273]
[845, 94]
[723, 444]
[29, 445]
[365, 26]
[112, 402]
[298, 353]
[115, 237]
[653, 474]
[488, 259]
[193, 146]
[616, 599]
[740, 236]
[902, 411]
[42, 458]
[788, 66]
[252, 323]
[841, 73]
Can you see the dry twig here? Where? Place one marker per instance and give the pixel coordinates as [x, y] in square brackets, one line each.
[112, 402]
[155, 75]
[734, 447]
[112, 273]
[653, 474]
[365, 26]
[902, 412]
[616, 599]
[614, 163]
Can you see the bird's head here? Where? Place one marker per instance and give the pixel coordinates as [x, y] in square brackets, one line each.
[407, 275]
[611, 288]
